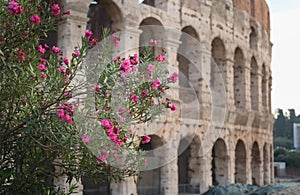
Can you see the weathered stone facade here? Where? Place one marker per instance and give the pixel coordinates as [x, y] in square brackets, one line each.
[236, 33]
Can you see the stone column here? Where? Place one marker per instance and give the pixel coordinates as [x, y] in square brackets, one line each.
[129, 41]
[247, 87]
[169, 172]
[72, 27]
[205, 177]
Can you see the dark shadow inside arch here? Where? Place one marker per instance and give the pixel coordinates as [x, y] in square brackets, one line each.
[255, 164]
[149, 181]
[219, 163]
[104, 14]
[239, 78]
[240, 163]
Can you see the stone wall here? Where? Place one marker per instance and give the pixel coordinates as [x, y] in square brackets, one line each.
[227, 42]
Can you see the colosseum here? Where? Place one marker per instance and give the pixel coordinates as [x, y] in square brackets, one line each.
[230, 38]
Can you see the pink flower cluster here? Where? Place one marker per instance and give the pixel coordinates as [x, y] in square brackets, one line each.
[88, 36]
[35, 19]
[14, 8]
[168, 104]
[146, 139]
[113, 132]
[161, 58]
[103, 157]
[173, 78]
[156, 83]
[55, 9]
[116, 40]
[85, 139]
[65, 112]
[153, 42]
[135, 98]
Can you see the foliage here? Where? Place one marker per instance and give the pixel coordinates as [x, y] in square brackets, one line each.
[283, 142]
[38, 137]
[292, 158]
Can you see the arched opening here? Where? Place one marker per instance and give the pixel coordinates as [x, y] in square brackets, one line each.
[240, 162]
[266, 165]
[149, 2]
[183, 164]
[104, 14]
[152, 29]
[264, 83]
[149, 181]
[187, 69]
[254, 84]
[188, 165]
[253, 38]
[219, 62]
[255, 164]
[219, 163]
[94, 188]
[238, 78]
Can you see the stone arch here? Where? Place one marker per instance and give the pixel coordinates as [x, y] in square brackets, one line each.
[255, 164]
[104, 14]
[149, 181]
[219, 163]
[151, 28]
[188, 165]
[240, 162]
[254, 84]
[253, 38]
[266, 164]
[264, 83]
[239, 78]
[218, 53]
[186, 50]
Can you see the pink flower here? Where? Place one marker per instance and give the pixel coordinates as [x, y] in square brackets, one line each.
[112, 136]
[144, 93]
[20, 54]
[121, 110]
[156, 83]
[55, 9]
[173, 78]
[61, 69]
[153, 42]
[55, 49]
[134, 59]
[46, 46]
[60, 113]
[173, 107]
[43, 61]
[125, 66]
[76, 53]
[35, 19]
[66, 61]
[146, 139]
[42, 67]
[69, 119]
[135, 98]
[117, 43]
[118, 142]
[97, 87]
[43, 76]
[88, 34]
[14, 8]
[161, 58]
[106, 123]
[85, 139]
[103, 157]
[41, 49]
[151, 68]
[93, 41]
[68, 12]
[125, 138]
